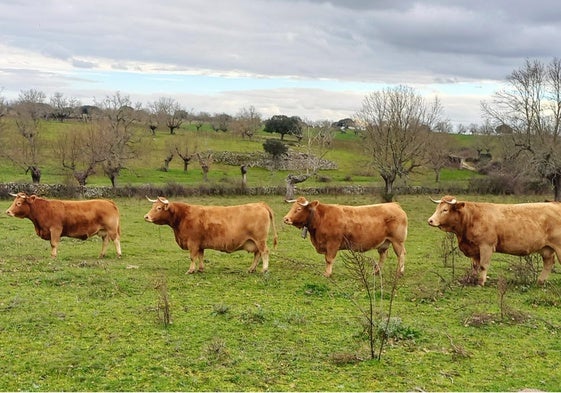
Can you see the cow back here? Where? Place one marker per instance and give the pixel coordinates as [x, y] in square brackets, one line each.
[357, 227]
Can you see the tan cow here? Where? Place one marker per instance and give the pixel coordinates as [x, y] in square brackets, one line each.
[515, 229]
[358, 228]
[78, 219]
[222, 228]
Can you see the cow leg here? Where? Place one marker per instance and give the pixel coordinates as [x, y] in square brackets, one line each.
[104, 244]
[256, 256]
[329, 258]
[117, 242]
[481, 264]
[262, 252]
[55, 240]
[399, 250]
[383, 254]
[201, 261]
[548, 257]
[197, 255]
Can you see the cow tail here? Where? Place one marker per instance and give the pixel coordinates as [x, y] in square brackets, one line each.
[272, 217]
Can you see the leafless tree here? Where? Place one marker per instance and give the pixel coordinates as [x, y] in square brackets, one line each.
[221, 122]
[80, 151]
[116, 130]
[438, 157]
[530, 106]
[246, 123]
[61, 107]
[205, 160]
[167, 112]
[396, 122]
[30, 110]
[186, 149]
[319, 140]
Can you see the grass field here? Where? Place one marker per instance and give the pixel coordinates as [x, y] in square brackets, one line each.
[347, 152]
[78, 323]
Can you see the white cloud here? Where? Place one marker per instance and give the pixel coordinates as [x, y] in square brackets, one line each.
[314, 59]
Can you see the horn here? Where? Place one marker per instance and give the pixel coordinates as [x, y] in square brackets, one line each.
[163, 200]
[452, 202]
[304, 204]
[20, 194]
[290, 200]
[151, 200]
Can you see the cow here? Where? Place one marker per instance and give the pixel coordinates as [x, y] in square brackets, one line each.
[356, 228]
[222, 228]
[77, 219]
[515, 229]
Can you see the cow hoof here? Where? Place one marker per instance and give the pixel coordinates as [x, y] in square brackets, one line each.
[251, 270]
[190, 271]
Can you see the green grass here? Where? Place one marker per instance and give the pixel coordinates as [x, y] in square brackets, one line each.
[79, 323]
[347, 153]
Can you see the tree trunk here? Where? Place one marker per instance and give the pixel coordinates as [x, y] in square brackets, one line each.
[168, 159]
[291, 181]
[35, 173]
[205, 169]
[556, 181]
[388, 180]
[243, 170]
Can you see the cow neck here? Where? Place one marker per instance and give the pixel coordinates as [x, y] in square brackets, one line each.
[461, 228]
[39, 205]
[310, 221]
[176, 215]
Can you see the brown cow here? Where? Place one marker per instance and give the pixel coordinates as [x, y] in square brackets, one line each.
[78, 219]
[515, 229]
[357, 228]
[222, 228]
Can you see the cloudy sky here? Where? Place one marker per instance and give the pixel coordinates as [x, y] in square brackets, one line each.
[311, 58]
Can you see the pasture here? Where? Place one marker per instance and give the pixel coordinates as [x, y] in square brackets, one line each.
[78, 323]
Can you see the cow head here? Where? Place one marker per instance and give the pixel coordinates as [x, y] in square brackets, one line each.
[21, 205]
[300, 212]
[447, 214]
[159, 213]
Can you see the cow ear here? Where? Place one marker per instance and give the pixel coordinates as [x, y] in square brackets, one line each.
[458, 205]
[31, 198]
[314, 204]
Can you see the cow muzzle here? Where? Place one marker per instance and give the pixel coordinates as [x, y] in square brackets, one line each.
[9, 212]
[147, 218]
[433, 222]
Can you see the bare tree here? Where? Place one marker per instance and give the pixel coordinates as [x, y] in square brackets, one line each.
[186, 149]
[319, 141]
[117, 133]
[30, 109]
[221, 122]
[205, 160]
[80, 151]
[167, 112]
[530, 105]
[246, 123]
[438, 157]
[61, 107]
[396, 122]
